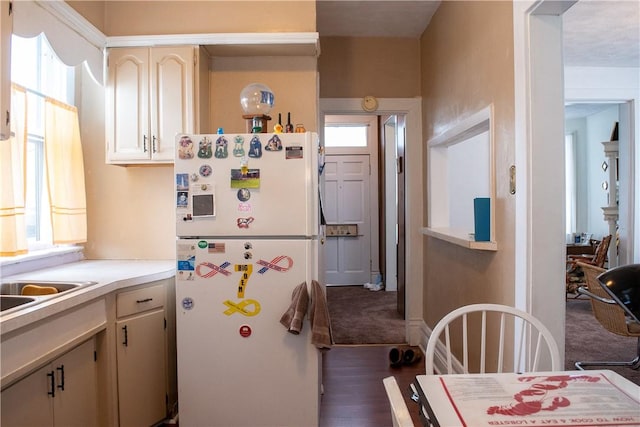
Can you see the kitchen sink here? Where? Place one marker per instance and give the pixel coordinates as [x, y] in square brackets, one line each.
[7, 302]
[16, 287]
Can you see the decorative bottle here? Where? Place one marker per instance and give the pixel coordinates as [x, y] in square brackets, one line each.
[289, 127]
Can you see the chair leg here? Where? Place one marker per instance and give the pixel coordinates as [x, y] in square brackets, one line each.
[633, 364]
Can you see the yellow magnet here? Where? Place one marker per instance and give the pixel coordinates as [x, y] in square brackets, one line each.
[240, 307]
[246, 270]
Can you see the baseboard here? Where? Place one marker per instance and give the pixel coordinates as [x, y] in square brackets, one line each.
[423, 332]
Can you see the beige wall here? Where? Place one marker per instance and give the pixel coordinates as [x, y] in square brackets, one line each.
[131, 209]
[93, 11]
[467, 64]
[127, 18]
[293, 81]
[353, 67]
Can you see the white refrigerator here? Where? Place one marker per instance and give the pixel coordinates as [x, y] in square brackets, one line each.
[247, 227]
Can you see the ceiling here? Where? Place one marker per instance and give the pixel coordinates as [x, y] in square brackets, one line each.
[596, 33]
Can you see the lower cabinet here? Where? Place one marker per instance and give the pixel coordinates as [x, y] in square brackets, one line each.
[62, 393]
[141, 356]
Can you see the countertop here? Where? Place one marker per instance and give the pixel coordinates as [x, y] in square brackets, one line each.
[110, 275]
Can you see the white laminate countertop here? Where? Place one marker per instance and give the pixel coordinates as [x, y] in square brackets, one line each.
[110, 275]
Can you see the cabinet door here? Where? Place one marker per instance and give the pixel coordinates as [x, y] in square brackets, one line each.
[127, 105]
[172, 87]
[141, 369]
[27, 402]
[5, 67]
[75, 403]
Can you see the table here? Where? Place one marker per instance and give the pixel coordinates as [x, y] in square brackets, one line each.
[565, 398]
[581, 249]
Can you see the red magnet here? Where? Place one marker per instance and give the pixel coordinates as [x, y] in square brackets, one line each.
[245, 331]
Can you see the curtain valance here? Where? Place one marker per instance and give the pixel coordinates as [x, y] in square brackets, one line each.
[71, 36]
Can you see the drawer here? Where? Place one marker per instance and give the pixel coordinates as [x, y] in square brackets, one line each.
[139, 300]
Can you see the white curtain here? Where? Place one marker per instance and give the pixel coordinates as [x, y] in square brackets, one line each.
[65, 173]
[13, 240]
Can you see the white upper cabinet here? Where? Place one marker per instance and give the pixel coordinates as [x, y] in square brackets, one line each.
[150, 96]
[6, 25]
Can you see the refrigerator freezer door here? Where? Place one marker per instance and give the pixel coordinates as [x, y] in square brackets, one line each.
[237, 365]
[247, 185]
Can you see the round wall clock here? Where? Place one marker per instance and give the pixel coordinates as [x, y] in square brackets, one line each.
[369, 103]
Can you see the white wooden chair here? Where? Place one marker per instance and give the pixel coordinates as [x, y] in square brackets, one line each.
[535, 339]
[399, 411]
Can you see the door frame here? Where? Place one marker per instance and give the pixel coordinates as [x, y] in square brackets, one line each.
[414, 190]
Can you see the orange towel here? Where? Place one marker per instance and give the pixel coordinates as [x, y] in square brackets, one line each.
[293, 318]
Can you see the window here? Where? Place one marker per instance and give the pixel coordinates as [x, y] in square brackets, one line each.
[35, 66]
[345, 135]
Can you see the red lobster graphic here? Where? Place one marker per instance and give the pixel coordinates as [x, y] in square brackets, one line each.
[536, 398]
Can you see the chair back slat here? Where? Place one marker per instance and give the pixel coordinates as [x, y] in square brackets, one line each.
[465, 343]
[501, 344]
[483, 343]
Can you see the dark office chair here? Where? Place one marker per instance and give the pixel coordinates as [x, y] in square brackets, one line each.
[615, 301]
[623, 284]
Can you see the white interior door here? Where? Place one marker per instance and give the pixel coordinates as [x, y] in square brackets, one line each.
[347, 203]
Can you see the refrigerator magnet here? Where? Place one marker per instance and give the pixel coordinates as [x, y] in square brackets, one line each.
[250, 179]
[221, 148]
[205, 170]
[238, 149]
[204, 148]
[245, 331]
[244, 194]
[185, 148]
[182, 181]
[294, 152]
[274, 144]
[244, 222]
[187, 303]
[209, 269]
[182, 199]
[242, 307]
[255, 147]
[203, 205]
[280, 263]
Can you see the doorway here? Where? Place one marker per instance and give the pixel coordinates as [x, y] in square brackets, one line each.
[358, 177]
[410, 110]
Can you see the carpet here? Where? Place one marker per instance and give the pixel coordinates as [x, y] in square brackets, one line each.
[361, 316]
[587, 340]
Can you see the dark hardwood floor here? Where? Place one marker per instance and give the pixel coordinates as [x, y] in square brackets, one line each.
[354, 395]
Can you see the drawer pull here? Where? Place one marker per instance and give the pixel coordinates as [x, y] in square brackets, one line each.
[140, 301]
[61, 369]
[52, 391]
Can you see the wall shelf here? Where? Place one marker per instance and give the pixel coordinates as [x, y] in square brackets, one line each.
[460, 238]
[462, 168]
